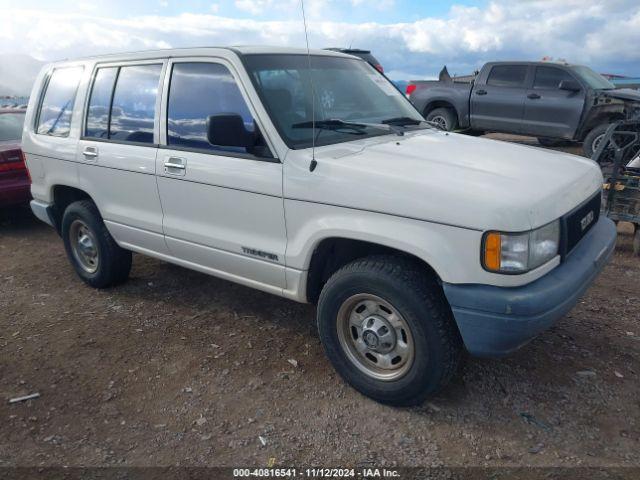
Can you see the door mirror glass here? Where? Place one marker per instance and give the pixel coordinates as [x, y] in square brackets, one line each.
[229, 130]
[570, 86]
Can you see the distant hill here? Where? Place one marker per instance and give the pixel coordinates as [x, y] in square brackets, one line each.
[17, 74]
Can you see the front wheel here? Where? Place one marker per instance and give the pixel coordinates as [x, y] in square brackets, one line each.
[94, 254]
[388, 331]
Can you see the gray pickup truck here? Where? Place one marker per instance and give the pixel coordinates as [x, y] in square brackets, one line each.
[551, 101]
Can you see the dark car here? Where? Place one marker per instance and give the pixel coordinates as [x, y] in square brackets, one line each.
[551, 101]
[15, 182]
[363, 54]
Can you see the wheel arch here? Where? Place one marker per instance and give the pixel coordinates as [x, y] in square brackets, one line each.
[332, 253]
[440, 103]
[63, 196]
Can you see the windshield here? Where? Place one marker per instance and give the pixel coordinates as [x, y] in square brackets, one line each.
[11, 126]
[593, 79]
[347, 92]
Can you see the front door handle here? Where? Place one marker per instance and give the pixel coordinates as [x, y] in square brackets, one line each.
[533, 96]
[90, 152]
[481, 92]
[175, 166]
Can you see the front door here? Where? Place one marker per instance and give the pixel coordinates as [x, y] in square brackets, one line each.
[223, 206]
[549, 111]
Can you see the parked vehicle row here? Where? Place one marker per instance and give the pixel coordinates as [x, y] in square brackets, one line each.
[551, 101]
[315, 179]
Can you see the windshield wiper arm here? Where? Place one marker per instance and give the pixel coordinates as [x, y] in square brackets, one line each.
[357, 127]
[402, 121]
[333, 124]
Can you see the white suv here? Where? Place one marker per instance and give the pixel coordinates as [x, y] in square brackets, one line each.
[314, 178]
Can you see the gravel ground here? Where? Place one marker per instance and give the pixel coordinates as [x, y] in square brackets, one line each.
[178, 368]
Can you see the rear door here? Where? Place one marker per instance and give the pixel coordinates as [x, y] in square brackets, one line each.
[223, 206]
[117, 151]
[498, 105]
[549, 111]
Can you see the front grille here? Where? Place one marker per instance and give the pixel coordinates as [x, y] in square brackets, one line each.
[579, 221]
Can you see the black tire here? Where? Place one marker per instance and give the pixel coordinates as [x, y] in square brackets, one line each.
[636, 241]
[550, 142]
[113, 263]
[420, 301]
[446, 117]
[590, 142]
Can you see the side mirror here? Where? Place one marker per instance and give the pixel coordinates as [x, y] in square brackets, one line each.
[228, 130]
[569, 86]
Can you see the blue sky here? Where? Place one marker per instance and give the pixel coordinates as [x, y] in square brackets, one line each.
[412, 38]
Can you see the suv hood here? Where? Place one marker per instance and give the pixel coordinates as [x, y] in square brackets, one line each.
[446, 178]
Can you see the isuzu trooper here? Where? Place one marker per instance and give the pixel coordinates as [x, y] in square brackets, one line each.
[310, 176]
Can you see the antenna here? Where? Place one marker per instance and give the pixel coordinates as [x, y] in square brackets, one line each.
[313, 164]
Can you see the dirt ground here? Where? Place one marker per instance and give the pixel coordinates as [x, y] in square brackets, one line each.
[178, 368]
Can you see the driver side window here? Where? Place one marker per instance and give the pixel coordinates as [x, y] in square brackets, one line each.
[197, 91]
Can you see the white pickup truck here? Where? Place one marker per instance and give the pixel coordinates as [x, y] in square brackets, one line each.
[314, 178]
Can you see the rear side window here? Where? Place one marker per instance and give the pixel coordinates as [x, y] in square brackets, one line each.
[134, 103]
[100, 103]
[507, 76]
[550, 77]
[198, 90]
[54, 117]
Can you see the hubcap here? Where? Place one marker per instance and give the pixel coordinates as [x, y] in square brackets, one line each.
[440, 121]
[375, 337]
[596, 142]
[83, 246]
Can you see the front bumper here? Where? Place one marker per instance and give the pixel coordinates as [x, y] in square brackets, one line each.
[495, 321]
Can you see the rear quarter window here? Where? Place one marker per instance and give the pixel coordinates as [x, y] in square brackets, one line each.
[54, 116]
[11, 126]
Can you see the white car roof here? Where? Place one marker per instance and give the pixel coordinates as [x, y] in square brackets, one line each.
[204, 51]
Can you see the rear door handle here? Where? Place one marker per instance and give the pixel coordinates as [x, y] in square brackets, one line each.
[90, 152]
[533, 96]
[175, 166]
[481, 92]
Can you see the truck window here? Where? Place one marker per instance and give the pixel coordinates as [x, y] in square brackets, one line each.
[196, 91]
[507, 76]
[134, 103]
[54, 117]
[550, 77]
[97, 125]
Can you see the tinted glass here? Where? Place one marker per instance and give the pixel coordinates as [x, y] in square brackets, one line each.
[550, 77]
[344, 89]
[99, 103]
[593, 79]
[507, 76]
[134, 104]
[57, 104]
[11, 126]
[197, 91]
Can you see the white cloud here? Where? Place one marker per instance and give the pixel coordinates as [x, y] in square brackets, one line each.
[584, 31]
[214, 7]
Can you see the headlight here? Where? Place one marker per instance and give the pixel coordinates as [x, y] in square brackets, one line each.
[520, 252]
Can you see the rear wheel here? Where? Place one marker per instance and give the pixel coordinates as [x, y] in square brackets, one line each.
[636, 241]
[444, 118]
[388, 330]
[94, 254]
[593, 139]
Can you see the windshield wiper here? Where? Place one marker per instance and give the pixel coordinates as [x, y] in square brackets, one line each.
[357, 128]
[333, 124]
[402, 121]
